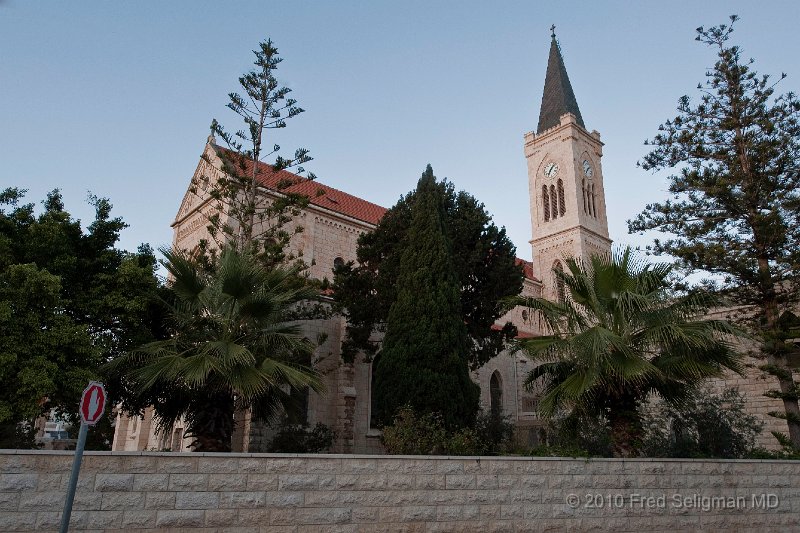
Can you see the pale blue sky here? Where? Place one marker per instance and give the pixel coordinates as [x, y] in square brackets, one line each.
[116, 97]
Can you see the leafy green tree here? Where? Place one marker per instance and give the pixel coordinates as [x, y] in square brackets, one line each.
[620, 335]
[425, 358]
[233, 346]
[241, 216]
[69, 301]
[735, 206]
[484, 263]
[46, 358]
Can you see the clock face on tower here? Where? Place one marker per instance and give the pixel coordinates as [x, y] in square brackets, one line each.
[550, 170]
[587, 168]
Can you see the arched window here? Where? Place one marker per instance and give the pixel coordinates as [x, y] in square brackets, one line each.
[583, 194]
[496, 394]
[594, 208]
[338, 262]
[553, 202]
[562, 206]
[559, 283]
[546, 203]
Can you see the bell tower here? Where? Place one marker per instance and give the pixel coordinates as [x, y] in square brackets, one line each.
[565, 177]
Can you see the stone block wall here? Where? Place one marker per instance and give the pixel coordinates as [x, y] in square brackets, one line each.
[141, 491]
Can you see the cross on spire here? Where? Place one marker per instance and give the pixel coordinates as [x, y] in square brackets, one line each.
[553, 31]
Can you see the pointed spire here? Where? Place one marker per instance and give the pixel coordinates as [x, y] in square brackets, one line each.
[557, 98]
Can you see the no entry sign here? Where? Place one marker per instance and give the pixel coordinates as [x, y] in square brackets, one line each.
[93, 403]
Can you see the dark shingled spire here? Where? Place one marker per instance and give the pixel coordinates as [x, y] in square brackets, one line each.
[558, 97]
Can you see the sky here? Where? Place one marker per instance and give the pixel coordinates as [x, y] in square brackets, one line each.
[115, 98]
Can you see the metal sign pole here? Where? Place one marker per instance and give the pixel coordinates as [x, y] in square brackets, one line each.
[73, 478]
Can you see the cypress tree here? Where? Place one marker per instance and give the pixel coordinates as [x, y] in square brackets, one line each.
[424, 361]
[484, 260]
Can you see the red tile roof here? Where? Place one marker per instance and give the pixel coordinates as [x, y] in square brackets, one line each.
[318, 193]
[335, 200]
[527, 268]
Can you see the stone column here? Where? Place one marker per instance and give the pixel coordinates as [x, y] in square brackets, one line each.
[145, 423]
[345, 409]
[120, 432]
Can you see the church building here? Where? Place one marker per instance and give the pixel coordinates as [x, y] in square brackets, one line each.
[568, 219]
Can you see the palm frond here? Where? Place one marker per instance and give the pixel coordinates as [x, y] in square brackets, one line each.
[232, 345]
[622, 333]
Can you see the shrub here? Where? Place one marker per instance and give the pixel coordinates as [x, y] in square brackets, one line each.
[410, 434]
[494, 432]
[708, 425]
[299, 438]
[413, 435]
[575, 435]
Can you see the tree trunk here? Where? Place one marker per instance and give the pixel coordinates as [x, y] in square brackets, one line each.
[784, 372]
[211, 423]
[626, 428]
[791, 407]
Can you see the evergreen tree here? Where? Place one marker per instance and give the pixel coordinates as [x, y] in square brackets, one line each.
[424, 361]
[735, 207]
[241, 217]
[484, 262]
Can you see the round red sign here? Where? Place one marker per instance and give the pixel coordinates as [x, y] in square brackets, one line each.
[93, 403]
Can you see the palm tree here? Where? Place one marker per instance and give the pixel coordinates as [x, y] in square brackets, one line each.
[234, 346]
[619, 335]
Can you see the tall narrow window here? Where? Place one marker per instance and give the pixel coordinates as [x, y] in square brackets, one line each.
[583, 194]
[373, 404]
[589, 199]
[553, 202]
[546, 203]
[495, 394]
[562, 206]
[594, 208]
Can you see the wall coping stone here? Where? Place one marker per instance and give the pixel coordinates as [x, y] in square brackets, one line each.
[334, 456]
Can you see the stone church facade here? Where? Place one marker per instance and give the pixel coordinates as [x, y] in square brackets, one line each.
[568, 219]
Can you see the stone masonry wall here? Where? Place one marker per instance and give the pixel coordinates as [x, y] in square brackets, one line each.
[141, 491]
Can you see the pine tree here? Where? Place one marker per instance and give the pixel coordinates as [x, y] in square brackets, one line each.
[735, 211]
[424, 361]
[241, 216]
